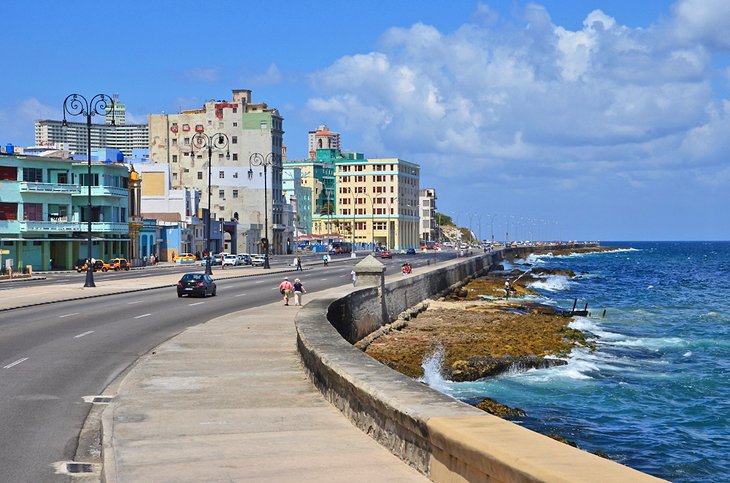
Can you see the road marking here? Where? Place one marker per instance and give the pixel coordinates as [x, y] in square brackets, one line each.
[240, 295]
[196, 303]
[67, 315]
[259, 281]
[140, 316]
[83, 334]
[323, 279]
[135, 302]
[12, 364]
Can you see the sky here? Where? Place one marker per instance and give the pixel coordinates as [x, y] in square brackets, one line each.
[559, 119]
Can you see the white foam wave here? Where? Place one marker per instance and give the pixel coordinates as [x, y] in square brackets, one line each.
[432, 376]
[552, 283]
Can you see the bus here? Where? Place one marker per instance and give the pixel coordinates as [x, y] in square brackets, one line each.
[341, 247]
[428, 245]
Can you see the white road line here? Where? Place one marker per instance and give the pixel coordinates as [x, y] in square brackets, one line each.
[196, 303]
[323, 279]
[135, 302]
[83, 334]
[67, 315]
[259, 281]
[240, 295]
[140, 316]
[12, 364]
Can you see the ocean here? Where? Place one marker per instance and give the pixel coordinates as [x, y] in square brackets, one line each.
[655, 394]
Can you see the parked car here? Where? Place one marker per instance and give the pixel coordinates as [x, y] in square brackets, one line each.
[386, 254]
[244, 259]
[198, 284]
[411, 251]
[99, 265]
[229, 260]
[117, 264]
[257, 260]
[184, 258]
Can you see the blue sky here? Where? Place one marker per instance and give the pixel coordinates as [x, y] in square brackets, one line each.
[580, 119]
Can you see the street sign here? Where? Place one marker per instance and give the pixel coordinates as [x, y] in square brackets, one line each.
[4, 252]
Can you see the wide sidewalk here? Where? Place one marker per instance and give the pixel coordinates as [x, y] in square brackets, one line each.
[227, 400]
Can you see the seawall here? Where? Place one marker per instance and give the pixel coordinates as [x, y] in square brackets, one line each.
[445, 439]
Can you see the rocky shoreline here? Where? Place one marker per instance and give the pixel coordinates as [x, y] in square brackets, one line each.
[478, 333]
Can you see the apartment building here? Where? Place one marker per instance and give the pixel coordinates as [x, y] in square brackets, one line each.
[377, 201]
[240, 143]
[73, 136]
[44, 211]
[322, 138]
[427, 202]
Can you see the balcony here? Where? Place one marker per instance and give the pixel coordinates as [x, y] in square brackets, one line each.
[103, 191]
[72, 226]
[26, 186]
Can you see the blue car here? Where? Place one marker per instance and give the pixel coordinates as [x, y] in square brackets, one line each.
[411, 251]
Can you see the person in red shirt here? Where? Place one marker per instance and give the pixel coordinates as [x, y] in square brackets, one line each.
[285, 288]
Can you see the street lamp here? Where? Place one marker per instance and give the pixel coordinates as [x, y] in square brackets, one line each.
[219, 142]
[258, 159]
[389, 210]
[77, 105]
[372, 220]
[491, 226]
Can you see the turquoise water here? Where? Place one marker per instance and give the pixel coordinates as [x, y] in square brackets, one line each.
[655, 395]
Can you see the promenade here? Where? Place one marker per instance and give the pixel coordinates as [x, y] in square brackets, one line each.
[227, 400]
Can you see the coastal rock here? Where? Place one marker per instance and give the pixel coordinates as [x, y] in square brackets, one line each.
[500, 410]
[475, 368]
[553, 271]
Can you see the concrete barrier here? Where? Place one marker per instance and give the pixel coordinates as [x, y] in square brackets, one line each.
[445, 439]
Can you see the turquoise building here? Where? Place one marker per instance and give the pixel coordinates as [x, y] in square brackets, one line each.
[44, 211]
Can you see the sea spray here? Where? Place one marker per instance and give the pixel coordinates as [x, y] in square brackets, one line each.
[432, 365]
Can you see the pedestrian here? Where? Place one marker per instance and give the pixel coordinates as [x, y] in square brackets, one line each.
[299, 263]
[325, 259]
[507, 288]
[285, 289]
[353, 276]
[298, 291]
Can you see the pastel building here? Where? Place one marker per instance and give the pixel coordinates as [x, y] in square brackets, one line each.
[427, 202]
[322, 138]
[44, 211]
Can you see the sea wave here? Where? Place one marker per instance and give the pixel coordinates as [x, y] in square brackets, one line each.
[552, 283]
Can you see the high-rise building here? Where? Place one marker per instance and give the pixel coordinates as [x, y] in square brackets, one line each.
[239, 190]
[322, 138]
[74, 136]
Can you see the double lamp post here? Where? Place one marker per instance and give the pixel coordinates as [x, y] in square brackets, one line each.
[258, 159]
[77, 105]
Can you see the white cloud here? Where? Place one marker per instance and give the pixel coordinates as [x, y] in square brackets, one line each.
[203, 74]
[531, 94]
[18, 121]
[704, 21]
[271, 76]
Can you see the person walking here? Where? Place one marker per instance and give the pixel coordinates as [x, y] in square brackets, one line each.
[298, 291]
[299, 263]
[325, 259]
[353, 277]
[285, 289]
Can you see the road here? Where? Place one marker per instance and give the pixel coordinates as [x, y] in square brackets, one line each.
[53, 355]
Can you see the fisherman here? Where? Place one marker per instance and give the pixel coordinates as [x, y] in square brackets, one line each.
[507, 289]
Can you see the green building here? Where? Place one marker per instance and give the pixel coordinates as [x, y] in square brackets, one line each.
[44, 211]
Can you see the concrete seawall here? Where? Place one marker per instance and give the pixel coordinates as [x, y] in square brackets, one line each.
[443, 438]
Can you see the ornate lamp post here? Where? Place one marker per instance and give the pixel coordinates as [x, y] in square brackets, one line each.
[258, 159]
[77, 105]
[389, 210]
[491, 226]
[202, 141]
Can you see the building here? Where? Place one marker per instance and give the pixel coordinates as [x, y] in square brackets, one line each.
[322, 138]
[317, 180]
[245, 165]
[73, 136]
[427, 202]
[44, 211]
[299, 198]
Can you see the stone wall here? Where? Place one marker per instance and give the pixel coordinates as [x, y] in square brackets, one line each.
[443, 438]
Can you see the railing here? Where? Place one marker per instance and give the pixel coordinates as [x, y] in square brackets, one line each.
[62, 226]
[104, 191]
[49, 187]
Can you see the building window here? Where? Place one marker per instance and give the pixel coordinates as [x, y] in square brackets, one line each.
[33, 211]
[234, 139]
[235, 124]
[174, 141]
[174, 158]
[33, 175]
[8, 211]
[235, 156]
[222, 194]
[221, 174]
[235, 193]
[174, 176]
[200, 175]
[235, 174]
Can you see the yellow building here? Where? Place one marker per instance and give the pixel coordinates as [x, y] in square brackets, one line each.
[379, 198]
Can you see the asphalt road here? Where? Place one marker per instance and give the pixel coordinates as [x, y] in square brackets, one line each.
[53, 355]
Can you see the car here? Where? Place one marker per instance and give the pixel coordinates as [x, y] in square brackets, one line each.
[99, 265]
[184, 258]
[244, 259]
[411, 251]
[230, 260]
[386, 254]
[257, 260]
[117, 264]
[196, 284]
